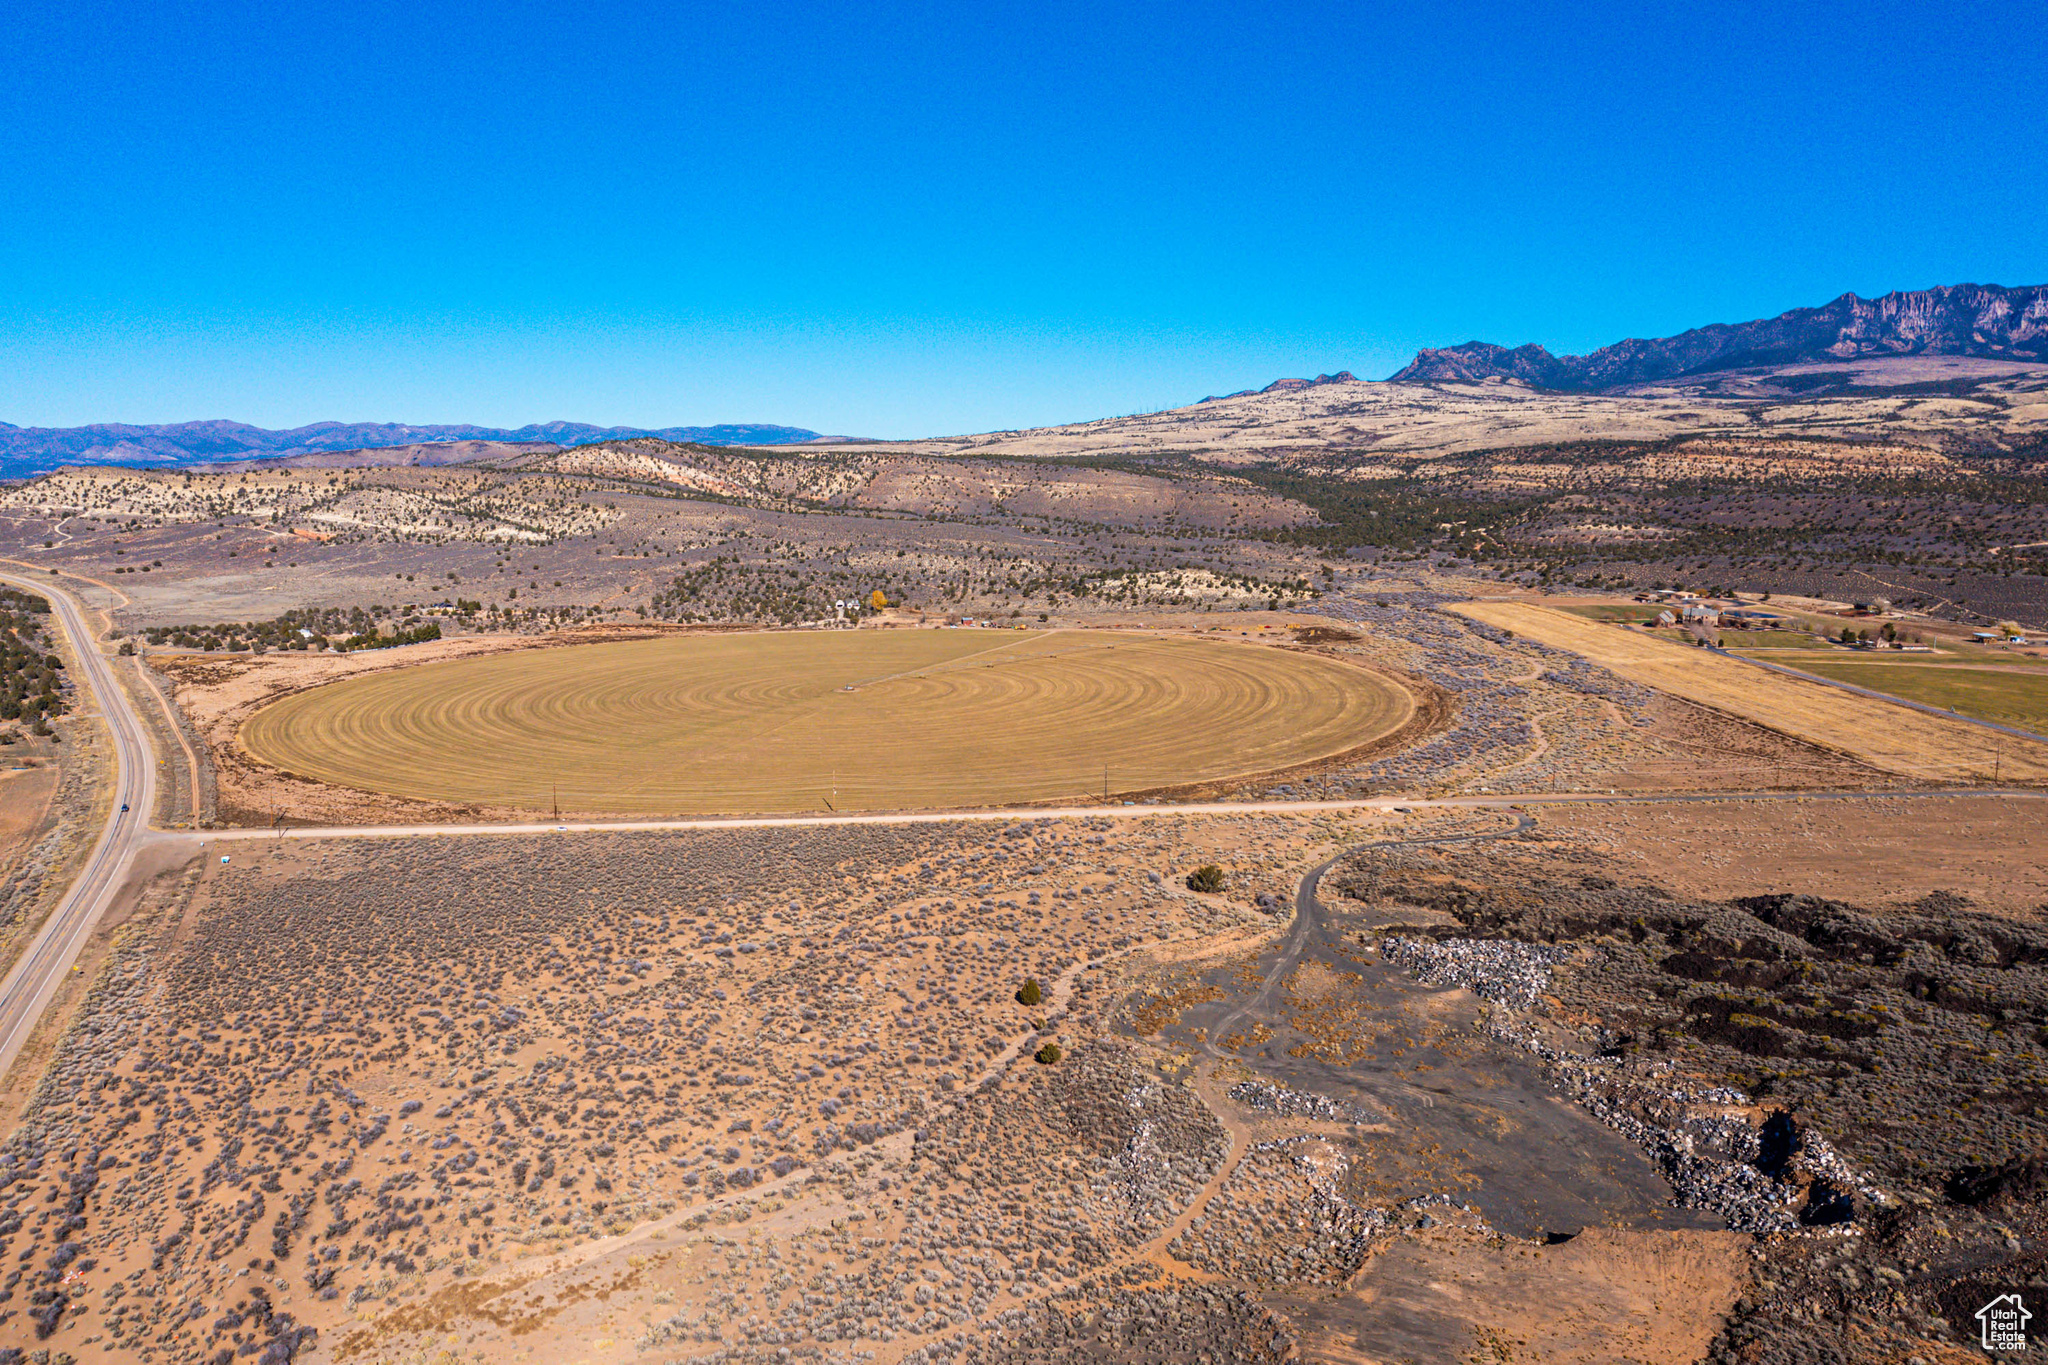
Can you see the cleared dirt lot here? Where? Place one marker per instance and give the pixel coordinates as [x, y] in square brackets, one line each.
[1880, 851]
[845, 720]
[1607, 1296]
[1895, 738]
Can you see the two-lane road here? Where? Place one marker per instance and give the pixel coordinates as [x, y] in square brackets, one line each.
[27, 990]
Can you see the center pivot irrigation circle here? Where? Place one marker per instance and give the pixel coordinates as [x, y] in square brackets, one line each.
[840, 720]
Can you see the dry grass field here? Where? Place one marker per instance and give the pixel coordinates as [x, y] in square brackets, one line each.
[1911, 743]
[857, 719]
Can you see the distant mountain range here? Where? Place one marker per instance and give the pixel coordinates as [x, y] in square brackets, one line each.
[1983, 320]
[1986, 321]
[35, 450]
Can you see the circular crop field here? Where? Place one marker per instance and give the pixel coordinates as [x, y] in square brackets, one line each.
[845, 720]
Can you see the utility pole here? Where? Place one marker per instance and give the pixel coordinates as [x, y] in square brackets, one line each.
[1105, 782]
[1997, 761]
[555, 792]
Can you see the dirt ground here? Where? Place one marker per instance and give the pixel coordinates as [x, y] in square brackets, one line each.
[700, 1022]
[1864, 977]
[599, 1096]
[27, 820]
[1879, 851]
[1606, 1297]
[1697, 748]
[74, 789]
[25, 794]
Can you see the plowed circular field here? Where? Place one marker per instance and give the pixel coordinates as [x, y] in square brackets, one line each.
[853, 720]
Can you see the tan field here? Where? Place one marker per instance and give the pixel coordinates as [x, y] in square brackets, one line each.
[851, 720]
[1896, 738]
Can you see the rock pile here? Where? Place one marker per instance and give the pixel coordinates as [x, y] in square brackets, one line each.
[1284, 1102]
[1763, 1173]
[1501, 970]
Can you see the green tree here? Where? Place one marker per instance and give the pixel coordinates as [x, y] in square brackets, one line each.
[1207, 877]
[1028, 993]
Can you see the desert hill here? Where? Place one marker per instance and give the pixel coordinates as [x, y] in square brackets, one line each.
[1950, 403]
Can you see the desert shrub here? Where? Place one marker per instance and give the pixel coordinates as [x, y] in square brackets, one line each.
[1207, 877]
[1028, 993]
[1047, 1055]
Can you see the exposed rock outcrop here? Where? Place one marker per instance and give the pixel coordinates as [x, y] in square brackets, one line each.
[1987, 321]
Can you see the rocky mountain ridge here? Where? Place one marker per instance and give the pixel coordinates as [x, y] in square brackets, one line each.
[1287, 386]
[1985, 321]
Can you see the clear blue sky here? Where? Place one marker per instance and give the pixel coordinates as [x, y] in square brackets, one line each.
[913, 219]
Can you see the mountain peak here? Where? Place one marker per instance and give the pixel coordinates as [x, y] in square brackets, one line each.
[1988, 321]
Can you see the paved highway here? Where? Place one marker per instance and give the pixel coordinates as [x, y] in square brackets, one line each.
[27, 990]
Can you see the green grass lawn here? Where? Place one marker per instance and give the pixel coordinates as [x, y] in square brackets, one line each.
[2016, 697]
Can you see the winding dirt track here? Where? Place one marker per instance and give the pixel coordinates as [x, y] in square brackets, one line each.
[853, 720]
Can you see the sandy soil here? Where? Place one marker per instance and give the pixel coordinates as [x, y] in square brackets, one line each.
[25, 794]
[1882, 851]
[735, 1019]
[1697, 748]
[1606, 1297]
[601, 1095]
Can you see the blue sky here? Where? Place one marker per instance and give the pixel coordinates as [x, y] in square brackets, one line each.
[902, 220]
